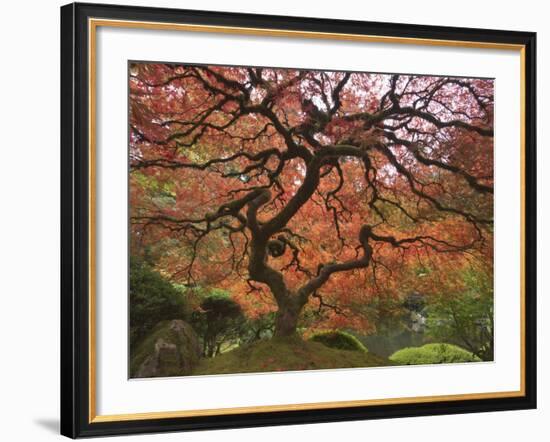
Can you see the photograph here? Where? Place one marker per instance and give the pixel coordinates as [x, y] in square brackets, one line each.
[289, 219]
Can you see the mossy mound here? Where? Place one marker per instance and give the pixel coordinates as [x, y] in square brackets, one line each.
[171, 349]
[432, 354]
[339, 340]
[283, 354]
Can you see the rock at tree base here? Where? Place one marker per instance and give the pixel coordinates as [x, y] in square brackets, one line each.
[171, 349]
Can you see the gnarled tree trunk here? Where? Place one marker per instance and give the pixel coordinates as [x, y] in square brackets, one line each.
[290, 304]
[287, 317]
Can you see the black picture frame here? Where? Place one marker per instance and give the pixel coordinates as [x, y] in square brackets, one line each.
[75, 221]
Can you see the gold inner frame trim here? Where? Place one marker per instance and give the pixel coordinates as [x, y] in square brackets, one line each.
[93, 24]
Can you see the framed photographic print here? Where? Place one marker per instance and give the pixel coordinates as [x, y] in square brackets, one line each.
[274, 220]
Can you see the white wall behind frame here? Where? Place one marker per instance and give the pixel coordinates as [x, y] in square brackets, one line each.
[29, 235]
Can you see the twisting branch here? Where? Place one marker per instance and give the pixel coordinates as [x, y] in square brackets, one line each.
[326, 270]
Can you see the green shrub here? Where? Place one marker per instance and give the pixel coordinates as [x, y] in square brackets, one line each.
[218, 322]
[432, 354]
[152, 299]
[339, 339]
[465, 317]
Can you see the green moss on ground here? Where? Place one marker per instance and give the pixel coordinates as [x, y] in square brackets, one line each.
[283, 354]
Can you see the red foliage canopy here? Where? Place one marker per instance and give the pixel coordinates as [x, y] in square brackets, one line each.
[304, 184]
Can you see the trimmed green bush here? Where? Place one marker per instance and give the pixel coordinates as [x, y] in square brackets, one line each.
[339, 339]
[432, 354]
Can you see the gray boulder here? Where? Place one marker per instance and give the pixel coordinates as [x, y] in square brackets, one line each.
[171, 349]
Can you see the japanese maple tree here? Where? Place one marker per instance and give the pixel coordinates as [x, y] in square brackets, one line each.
[300, 189]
